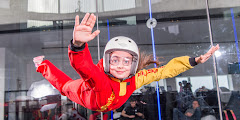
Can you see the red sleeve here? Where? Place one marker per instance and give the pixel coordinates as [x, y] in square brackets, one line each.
[82, 62]
[55, 76]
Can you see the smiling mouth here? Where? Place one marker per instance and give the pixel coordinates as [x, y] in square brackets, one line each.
[120, 71]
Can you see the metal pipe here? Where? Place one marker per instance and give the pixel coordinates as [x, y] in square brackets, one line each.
[214, 62]
[98, 41]
[97, 29]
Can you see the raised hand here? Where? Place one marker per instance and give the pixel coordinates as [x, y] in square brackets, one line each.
[206, 56]
[38, 60]
[83, 32]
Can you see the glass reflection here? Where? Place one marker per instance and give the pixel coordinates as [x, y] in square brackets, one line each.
[41, 89]
[225, 32]
[29, 28]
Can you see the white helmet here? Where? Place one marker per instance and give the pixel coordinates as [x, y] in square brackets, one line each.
[121, 43]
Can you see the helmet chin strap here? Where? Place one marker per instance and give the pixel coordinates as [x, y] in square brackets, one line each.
[118, 78]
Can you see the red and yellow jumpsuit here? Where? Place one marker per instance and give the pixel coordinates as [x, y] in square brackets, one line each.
[98, 91]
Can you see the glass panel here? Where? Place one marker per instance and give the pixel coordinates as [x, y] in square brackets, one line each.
[205, 81]
[29, 28]
[175, 35]
[184, 31]
[77, 6]
[43, 6]
[225, 25]
[118, 5]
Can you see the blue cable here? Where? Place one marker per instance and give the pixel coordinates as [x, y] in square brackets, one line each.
[154, 58]
[108, 40]
[108, 30]
[235, 35]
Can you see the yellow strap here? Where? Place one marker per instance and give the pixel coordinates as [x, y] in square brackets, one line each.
[115, 79]
[123, 88]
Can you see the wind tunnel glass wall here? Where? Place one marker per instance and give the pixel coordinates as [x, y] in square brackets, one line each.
[30, 28]
[225, 31]
[181, 29]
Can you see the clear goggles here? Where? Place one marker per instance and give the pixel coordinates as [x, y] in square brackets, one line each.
[115, 60]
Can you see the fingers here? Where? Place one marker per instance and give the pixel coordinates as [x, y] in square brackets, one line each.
[93, 21]
[201, 57]
[210, 51]
[205, 57]
[91, 18]
[88, 20]
[84, 20]
[213, 49]
[216, 47]
[76, 20]
[95, 33]
[38, 58]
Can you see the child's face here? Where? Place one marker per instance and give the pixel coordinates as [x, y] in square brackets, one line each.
[120, 64]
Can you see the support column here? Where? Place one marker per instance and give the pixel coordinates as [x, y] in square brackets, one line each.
[2, 82]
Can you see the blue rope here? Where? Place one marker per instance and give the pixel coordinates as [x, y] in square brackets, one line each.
[154, 58]
[235, 35]
[108, 40]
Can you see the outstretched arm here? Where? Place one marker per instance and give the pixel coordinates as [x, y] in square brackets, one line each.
[82, 32]
[55, 76]
[79, 91]
[79, 55]
[173, 68]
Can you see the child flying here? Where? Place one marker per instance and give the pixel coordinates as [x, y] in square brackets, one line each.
[108, 85]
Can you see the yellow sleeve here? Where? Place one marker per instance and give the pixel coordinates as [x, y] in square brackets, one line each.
[171, 69]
